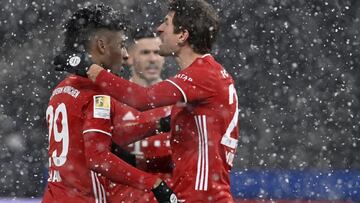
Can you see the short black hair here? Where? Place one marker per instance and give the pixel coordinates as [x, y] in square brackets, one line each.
[200, 19]
[85, 21]
[142, 31]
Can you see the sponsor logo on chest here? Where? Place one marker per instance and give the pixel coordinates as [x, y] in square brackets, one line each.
[184, 77]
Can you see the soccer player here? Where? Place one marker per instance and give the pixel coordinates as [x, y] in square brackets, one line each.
[152, 154]
[82, 120]
[204, 119]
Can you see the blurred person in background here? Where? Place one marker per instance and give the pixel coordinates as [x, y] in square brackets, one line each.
[83, 121]
[152, 154]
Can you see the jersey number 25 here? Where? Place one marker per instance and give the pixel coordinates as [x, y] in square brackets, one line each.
[227, 140]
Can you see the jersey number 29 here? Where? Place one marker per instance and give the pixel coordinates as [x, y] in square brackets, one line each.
[57, 120]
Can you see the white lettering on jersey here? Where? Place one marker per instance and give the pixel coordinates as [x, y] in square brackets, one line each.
[60, 137]
[227, 140]
[183, 77]
[102, 106]
[54, 176]
[157, 143]
[144, 143]
[224, 73]
[137, 148]
[67, 90]
[167, 143]
[177, 128]
[230, 158]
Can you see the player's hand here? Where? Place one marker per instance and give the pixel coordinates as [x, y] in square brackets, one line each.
[164, 124]
[164, 194]
[73, 62]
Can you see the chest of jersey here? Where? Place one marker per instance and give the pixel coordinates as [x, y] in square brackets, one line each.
[155, 146]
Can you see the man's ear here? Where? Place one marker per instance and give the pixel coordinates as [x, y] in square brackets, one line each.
[100, 45]
[184, 36]
[130, 60]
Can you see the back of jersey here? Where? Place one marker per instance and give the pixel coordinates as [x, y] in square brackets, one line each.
[69, 178]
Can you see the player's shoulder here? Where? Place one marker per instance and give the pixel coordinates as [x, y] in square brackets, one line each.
[218, 71]
[205, 64]
[200, 69]
[78, 87]
[78, 81]
[208, 68]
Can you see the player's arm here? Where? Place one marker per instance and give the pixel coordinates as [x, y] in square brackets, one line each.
[160, 94]
[97, 132]
[131, 125]
[165, 93]
[101, 160]
[97, 139]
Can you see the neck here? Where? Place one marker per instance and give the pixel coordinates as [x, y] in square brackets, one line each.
[186, 57]
[143, 82]
[97, 59]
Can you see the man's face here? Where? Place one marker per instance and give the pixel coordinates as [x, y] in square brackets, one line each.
[169, 39]
[115, 50]
[146, 61]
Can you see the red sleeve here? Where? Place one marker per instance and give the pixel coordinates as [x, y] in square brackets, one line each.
[160, 94]
[193, 85]
[131, 125]
[101, 160]
[98, 115]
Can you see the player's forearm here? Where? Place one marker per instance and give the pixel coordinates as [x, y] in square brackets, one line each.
[119, 171]
[101, 160]
[147, 123]
[126, 134]
[161, 94]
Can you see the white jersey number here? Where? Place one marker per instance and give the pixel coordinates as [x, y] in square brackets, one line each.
[227, 140]
[59, 136]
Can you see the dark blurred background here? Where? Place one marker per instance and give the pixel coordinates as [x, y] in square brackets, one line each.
[295, 62]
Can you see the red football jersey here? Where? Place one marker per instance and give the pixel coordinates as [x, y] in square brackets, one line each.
[76, 110]
[204, 132]
[155, 154]
[154, 146]
[204, 127]
[125, 193]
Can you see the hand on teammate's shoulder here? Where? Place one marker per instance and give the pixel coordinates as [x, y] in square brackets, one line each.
[73, 62]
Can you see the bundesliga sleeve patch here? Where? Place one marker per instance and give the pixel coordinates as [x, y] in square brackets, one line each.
[102, 106]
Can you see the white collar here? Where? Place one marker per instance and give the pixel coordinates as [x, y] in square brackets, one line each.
[205, 55]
